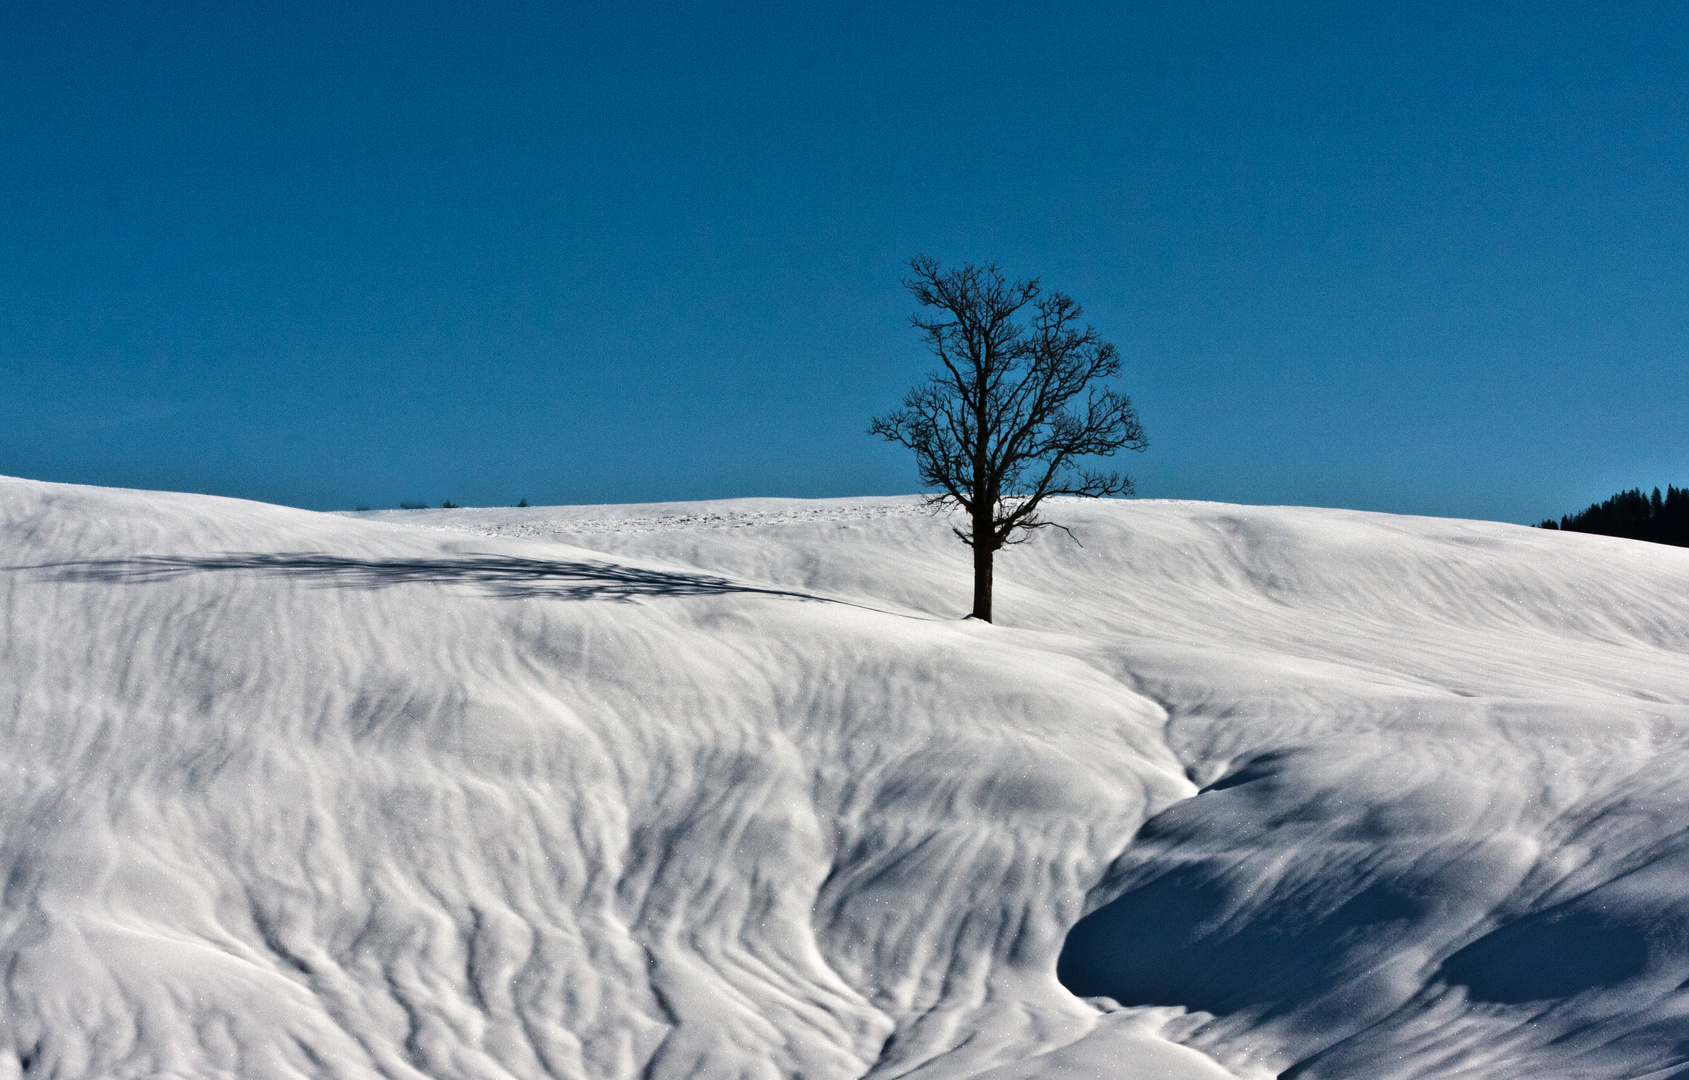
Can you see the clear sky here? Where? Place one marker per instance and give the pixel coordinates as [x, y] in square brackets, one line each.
[1418, 257]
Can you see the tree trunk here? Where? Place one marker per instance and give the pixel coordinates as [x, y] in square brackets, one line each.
[982, 573]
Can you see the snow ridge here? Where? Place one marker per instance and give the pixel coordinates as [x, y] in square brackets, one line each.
[728, 790]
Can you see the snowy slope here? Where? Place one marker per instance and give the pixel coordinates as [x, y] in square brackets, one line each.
[726, 789]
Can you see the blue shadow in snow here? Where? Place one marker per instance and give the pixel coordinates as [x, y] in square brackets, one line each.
[1549, 956]
[1168, 942]
[497, 575]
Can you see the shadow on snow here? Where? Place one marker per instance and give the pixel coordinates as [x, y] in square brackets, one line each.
[497, 575]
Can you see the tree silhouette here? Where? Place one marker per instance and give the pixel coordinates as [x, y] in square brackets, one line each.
[1002, 423]
[1662, 519]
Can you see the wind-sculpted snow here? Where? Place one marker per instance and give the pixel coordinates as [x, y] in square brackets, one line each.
[728, 790]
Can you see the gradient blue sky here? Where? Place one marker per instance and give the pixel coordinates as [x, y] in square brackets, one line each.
[1419, 257]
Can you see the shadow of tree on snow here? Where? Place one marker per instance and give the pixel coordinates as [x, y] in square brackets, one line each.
[496, 575]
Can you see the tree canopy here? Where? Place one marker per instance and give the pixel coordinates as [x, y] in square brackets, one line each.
[1662, 519]
[1014, 409]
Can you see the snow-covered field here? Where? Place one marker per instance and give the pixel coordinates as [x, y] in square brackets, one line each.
[728, 790]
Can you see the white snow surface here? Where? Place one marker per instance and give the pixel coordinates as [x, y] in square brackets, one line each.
[730, 789]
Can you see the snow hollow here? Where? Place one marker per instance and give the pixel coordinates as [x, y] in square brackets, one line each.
[729, 790]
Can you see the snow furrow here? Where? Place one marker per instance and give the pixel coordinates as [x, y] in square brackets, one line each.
[728, 790]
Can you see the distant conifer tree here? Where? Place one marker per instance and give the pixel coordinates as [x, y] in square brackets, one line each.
[1661, 519]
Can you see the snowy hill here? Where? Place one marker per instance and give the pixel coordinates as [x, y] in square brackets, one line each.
[727, 790]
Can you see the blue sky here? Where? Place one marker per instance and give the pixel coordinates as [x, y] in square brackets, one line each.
[1428, 258]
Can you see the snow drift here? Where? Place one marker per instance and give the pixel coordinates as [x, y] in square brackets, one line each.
[728, 790]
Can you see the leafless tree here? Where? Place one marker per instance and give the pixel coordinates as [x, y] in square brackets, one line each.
[1002, 424]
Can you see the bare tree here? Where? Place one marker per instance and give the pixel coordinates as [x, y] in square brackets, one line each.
[1002, 424]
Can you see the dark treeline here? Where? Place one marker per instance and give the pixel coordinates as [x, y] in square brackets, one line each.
[1662, 519]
